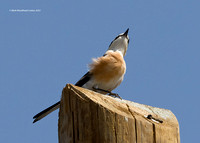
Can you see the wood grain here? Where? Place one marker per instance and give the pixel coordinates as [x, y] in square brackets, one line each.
[89, 117]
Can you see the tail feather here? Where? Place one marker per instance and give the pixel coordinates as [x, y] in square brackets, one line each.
[45, 112]
[52, 108]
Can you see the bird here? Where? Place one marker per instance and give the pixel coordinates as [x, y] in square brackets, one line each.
[105, 72]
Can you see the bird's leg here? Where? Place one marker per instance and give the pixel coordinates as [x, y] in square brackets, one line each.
[109, 92]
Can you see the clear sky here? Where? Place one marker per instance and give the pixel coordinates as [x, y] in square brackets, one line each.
[40, 52]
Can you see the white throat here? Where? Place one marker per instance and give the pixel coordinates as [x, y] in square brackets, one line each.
[119, 44]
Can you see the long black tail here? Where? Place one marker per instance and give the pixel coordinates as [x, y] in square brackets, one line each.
[52, 108]
[45, 112]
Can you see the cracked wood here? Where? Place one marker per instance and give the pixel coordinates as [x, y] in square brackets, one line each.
[87, 117]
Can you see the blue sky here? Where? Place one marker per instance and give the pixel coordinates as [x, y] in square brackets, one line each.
[40, 52]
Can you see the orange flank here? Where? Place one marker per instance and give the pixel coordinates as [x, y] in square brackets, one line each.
[109, 67]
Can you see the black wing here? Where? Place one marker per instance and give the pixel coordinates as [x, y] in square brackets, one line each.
[84, 79]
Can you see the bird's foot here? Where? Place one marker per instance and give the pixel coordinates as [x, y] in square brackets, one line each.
[115, 95]
[109, 92]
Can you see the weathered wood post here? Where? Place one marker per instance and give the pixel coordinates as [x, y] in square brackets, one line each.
[89, 117]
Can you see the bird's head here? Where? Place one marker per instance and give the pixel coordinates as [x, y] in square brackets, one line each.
[120, 43]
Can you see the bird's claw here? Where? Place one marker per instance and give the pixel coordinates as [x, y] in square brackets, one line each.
[115, 95]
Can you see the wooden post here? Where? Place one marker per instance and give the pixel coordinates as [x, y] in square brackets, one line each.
[89, 117]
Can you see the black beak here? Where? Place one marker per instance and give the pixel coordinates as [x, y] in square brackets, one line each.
[126, 33]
